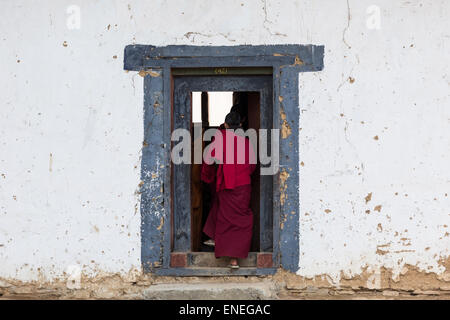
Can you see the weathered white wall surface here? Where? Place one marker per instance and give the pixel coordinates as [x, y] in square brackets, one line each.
[71, 129]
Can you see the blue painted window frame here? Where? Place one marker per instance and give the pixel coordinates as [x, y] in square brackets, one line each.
[155, 65]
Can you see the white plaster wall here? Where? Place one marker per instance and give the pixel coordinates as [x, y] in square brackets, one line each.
[71, 128]
[400, 93]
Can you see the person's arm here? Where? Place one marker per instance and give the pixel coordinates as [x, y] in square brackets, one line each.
[214, 151]
[208, 173]
[209, 166]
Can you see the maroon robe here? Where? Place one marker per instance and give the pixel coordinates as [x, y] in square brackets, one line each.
[230, 220]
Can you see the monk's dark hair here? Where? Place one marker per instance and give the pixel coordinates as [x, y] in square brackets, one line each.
[239, 108]
[233, 120]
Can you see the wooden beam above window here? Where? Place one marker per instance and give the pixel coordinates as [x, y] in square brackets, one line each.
[222, 71]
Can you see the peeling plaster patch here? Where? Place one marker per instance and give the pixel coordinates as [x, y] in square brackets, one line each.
[129, 285]
[372, 278]
[161, 224]
[298, 61]
[150, 72]
[380, 249]
[368, 197]
[374, 281]
[284, 175]
[286, 130]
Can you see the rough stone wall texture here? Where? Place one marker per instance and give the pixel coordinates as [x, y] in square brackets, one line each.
[411, 284]
[374, 134]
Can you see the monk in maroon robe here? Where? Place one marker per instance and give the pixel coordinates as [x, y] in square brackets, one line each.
[230, 220]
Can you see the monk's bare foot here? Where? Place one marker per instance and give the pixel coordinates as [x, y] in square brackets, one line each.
[234, 263]
[210, 242]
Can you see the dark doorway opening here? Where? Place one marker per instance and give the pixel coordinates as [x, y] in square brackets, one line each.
[193, 104]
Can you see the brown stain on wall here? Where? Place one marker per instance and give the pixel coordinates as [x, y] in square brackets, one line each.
[297, 61]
